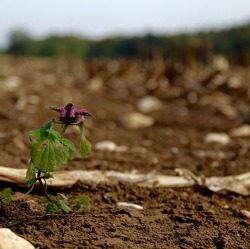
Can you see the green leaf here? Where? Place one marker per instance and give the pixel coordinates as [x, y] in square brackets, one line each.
[85, 145]
[49, 150]
[54, 156]
[62, 205]
[42, 132]
[51, 156]
[6, 196]
[54, 133]
[46, 175]
[52, 197]
[70, 146]
[63, 197]
[81, 204]
[45, 200]
[30, 175]
[51, 208]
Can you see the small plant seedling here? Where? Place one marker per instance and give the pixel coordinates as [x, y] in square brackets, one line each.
[49, 150]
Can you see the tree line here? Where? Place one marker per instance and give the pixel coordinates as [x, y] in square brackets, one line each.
[234, 43]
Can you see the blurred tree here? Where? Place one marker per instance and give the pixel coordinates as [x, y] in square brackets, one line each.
[186, 47]
[19, 42]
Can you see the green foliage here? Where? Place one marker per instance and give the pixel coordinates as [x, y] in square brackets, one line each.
[48, 152]
[62, 205]
[20, 43]
[232, 42]
[63, 202]
[6, 197]
[30, 175]
[85, 145]
[81, 204]
[51, 208]
[70, 146]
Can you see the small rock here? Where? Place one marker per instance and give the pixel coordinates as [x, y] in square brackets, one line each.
[95, 84]
[220, 138]
[234, 82]
[135, 120]
[149, 104]
[126, 204]
[9, 240]
[108, 197]
[242, 131]
[109, 146]
[215, 155]
[246, 213]
[229, 111]
[11, 83]
[106, 145]
[220, 63]
[174, 150]
[221, 102]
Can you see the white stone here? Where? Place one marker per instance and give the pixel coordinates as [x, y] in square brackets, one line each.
[220, 138]
[135, 120]
[95, 84]
[242, 131]
[220, 63]
[222, 102]
[126, 204]
[149, 104]
[11, 83]
[108, 145]
[246, 213]
[9, 240]
[234, 82]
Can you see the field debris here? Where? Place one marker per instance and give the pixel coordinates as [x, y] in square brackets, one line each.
[9, 240]
[136, 120]
[131, 205]
[108, 145]
[11, 83]
[220, 138]
[242, 131]
[245, 213]
[239, 184]
[148, 104]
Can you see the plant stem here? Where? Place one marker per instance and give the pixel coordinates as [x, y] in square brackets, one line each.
[64, 129]
[42, 186]
[20, 197]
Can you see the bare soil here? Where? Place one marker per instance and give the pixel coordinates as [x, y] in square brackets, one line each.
[195, 101]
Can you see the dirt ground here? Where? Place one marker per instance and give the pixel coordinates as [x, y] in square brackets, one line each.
[192, 102]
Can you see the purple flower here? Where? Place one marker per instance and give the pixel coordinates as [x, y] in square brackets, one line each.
[63, 112]
[72, 111]
[69, 115]
[83, 111]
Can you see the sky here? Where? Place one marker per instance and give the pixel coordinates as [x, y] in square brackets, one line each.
[101, 18]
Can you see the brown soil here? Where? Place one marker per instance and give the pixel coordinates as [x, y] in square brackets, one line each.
[195, 102]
